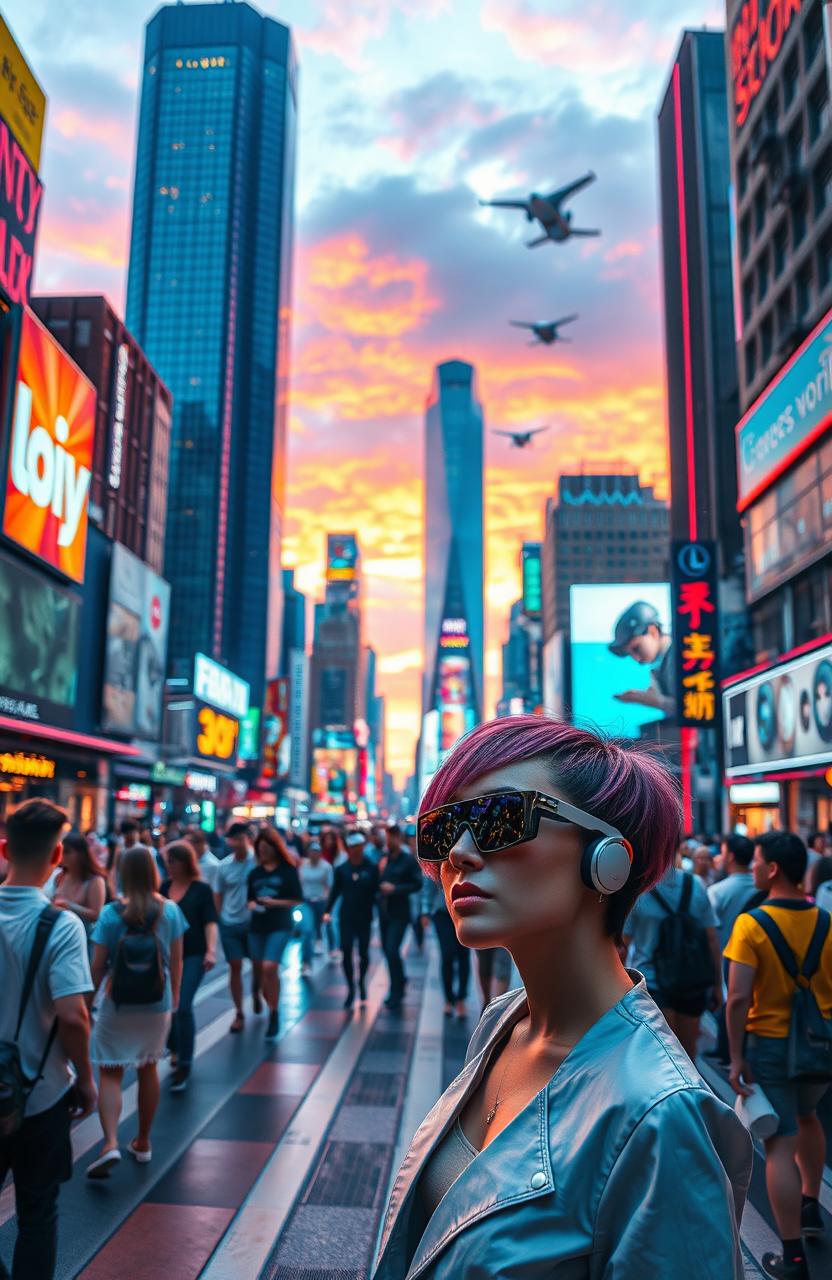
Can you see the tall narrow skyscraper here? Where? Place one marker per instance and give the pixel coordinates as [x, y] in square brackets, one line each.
[208, 298]
[454, 569]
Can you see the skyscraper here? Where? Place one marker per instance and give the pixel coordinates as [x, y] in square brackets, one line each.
[208, 298]
[454, 570]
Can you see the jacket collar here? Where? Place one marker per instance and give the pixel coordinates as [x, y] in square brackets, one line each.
[522, 1147]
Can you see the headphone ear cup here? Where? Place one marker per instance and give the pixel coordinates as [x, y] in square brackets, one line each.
[606, 864]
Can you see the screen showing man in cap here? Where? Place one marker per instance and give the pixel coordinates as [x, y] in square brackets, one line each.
[639, 634]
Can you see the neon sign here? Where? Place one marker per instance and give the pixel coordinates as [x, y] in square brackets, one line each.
[756, 40]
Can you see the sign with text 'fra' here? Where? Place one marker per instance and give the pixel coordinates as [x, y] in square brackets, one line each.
[50, 454]
[219, 687]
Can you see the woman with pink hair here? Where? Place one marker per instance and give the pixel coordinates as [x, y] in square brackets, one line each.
[559, 1149]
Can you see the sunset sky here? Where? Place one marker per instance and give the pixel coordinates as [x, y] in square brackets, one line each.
[410, 110]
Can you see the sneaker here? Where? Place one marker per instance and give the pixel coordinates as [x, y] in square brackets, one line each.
[362, 993]
[273, 1025]
[237, 1025]
[104, 1165]
[774, 1264]
[811, 1220]
[448, 1009]
[349, 998]
[179, 1079]
[257, 1002]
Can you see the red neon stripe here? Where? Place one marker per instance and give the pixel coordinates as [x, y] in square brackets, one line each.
[789, 776]
[685, 281]
[785, 657]
[10, 725]
[800, 448]
[687, 739]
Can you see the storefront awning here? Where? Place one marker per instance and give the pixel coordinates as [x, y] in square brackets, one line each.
[67, 736]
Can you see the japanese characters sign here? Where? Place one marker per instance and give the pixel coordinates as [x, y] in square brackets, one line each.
[696, 633]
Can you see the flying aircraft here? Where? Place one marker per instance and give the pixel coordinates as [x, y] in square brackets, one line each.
[521, 438]
[545, 333]
[556, 224]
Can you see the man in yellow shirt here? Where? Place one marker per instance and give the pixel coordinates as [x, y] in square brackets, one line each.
[760, 997]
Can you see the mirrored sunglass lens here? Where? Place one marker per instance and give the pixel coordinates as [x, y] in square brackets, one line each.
[498, 821]
[438, 833]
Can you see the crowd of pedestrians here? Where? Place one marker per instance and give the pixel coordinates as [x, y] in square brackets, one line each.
[104, 944]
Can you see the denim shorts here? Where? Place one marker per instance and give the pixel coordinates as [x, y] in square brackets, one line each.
[767, 1056]
[268, 946]
[234, 938]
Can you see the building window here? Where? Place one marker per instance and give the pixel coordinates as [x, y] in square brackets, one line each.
[742, 174]
[795, 146]
[785, 318]
[812, 36]
[818, 110]
[822, 183]
[781, 247]
[804, 290]
[748, 299]
[798, 221]
[760, 207]
[83, 331]
[762, 277]
[766, 339]
[745, 236]
[825, 260]
[790, 78]
[751, 360]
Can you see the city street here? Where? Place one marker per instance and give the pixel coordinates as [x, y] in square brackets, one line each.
[278, 1160]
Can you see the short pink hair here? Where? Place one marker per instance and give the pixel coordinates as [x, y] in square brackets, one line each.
[615, 779]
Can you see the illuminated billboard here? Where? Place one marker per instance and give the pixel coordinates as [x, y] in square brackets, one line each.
[756, 40]
[334, 779]
[532, 580]
[781, 717]
[221, 703]
[137, 644]
[22, 101]
[341, 557]
[621, 652]
[276, 739]
[454, 634]
[39, 652]
[50, 453]
[20, 200]
[794, 410]
[695, 625]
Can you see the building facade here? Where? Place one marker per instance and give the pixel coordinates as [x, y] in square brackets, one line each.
[129, 484]
[602, 528]
[453, 692]
[208, 298]
[777, 730]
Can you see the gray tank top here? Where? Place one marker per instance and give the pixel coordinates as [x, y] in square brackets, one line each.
[451, 1158]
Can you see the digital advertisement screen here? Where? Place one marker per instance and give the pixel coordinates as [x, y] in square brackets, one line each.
[334, 778]
[217, 734]
[39, 653]
[50, 453]
[341, 557]
[780, 717]
[136, 647]
[621, 654]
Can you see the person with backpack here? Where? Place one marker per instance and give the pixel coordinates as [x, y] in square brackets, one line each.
[672, 940]
[138, 945]
[779, 1019]
[46, 1078]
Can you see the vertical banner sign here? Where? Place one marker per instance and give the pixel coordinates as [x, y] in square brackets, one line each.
[696, 633]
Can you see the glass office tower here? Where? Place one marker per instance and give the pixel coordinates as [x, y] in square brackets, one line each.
[454, 568]
[208, 298]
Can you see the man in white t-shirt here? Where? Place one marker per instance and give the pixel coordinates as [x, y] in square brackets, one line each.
[208, 860]
[39, 1154]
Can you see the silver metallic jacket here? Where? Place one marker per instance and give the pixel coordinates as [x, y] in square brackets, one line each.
[625, 1167]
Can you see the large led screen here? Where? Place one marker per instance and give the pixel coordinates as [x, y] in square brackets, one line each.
[621, 655]
[136, 649]
[781, 717]
[39, 648]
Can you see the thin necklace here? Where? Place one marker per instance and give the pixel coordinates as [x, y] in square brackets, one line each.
[497, 1099]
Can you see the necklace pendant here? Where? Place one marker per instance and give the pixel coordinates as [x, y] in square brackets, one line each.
[492, 1113]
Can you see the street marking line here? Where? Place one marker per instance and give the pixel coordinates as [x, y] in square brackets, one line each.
[87, 1133]
[259, 1222]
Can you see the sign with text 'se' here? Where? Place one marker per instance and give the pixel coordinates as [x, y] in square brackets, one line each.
[50, 453]
[22, 101]
[694, 603]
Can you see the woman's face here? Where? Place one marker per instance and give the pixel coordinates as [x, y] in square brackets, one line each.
[70, 862]
[532, 888]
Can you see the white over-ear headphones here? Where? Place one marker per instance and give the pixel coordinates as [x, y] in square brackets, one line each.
[606, 864]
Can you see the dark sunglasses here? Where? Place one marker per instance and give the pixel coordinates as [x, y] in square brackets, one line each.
[497, 821]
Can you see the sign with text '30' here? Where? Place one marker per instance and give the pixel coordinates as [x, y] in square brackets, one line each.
[50, 453]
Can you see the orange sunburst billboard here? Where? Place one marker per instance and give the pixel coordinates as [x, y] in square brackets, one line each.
[50, 453]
